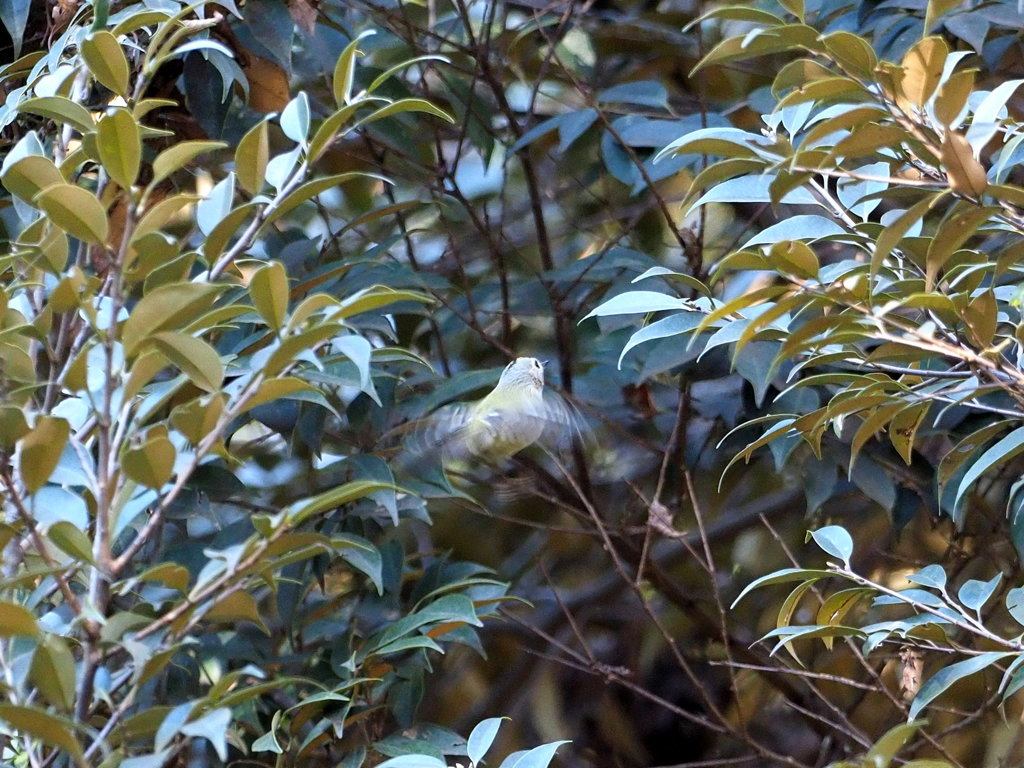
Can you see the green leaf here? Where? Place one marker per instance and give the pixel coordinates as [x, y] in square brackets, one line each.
[40, 450]
[30, 175]
[50, 729]
[52, 671]
[152, 463]
[837, 605]
[61, 110]
[75, 210]
[117, 137]
[794, 258]
[673, 325]
[390, 72]
[375, 297]
[17, 620]
[221, 235]
[895, 231]
[168, 307]
[801, 227]
[998, 454]
[236, 606]
[884, 751]
[292, 346]
[216, 205]
[328, 129]
[753, 189]
[778, 39]
[159, 214]
[106, 61]
[178, 155]
[936, 9]
[444, 610]
[903, 428]
[311, 189]
[269, 290]
[405, 105]
[944, 678]
[853, 53]
[276, 388]
[789, 606]
[197, 418]
[194, 357]
[796, 7]
[251, 157]
[343, 494]
[344, 70]
[71, 539]
[782, 577]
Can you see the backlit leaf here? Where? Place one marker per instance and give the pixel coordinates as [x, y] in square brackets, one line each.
[965, 174]
[53, 730]
[251, 157]
[106, 60]
[922, 69]
[269, 290]
[117, 137]
[152, 463]
[40, 451]
[194, 357]
[75, 210]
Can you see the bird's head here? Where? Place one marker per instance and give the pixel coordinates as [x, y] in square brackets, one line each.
[523, 371]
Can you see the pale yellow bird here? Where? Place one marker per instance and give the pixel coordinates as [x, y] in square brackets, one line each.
[515, 414]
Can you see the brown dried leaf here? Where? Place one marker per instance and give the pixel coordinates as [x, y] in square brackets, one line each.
[268, 84]
[964, 172]
[909, 672]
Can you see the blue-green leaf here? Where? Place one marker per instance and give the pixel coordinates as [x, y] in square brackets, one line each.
[751, 189]
[931, 576]
[538, 757]
[647, 93]
[802, 227]
[1000, 453]
[944, 678]
[638, 302]
[975, 593]
[835, 540]
[481, 738]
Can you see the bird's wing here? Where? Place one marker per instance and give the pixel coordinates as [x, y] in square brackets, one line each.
[445, 430]
[563, 423]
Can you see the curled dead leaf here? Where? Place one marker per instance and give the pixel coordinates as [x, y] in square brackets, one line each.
[910, 671]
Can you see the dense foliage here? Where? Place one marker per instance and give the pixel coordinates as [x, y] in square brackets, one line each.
[248, 249]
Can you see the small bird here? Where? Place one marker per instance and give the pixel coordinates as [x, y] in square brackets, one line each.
[515, 414]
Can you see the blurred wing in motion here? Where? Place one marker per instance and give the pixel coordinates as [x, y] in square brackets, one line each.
[462, 430]
[563, 423]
